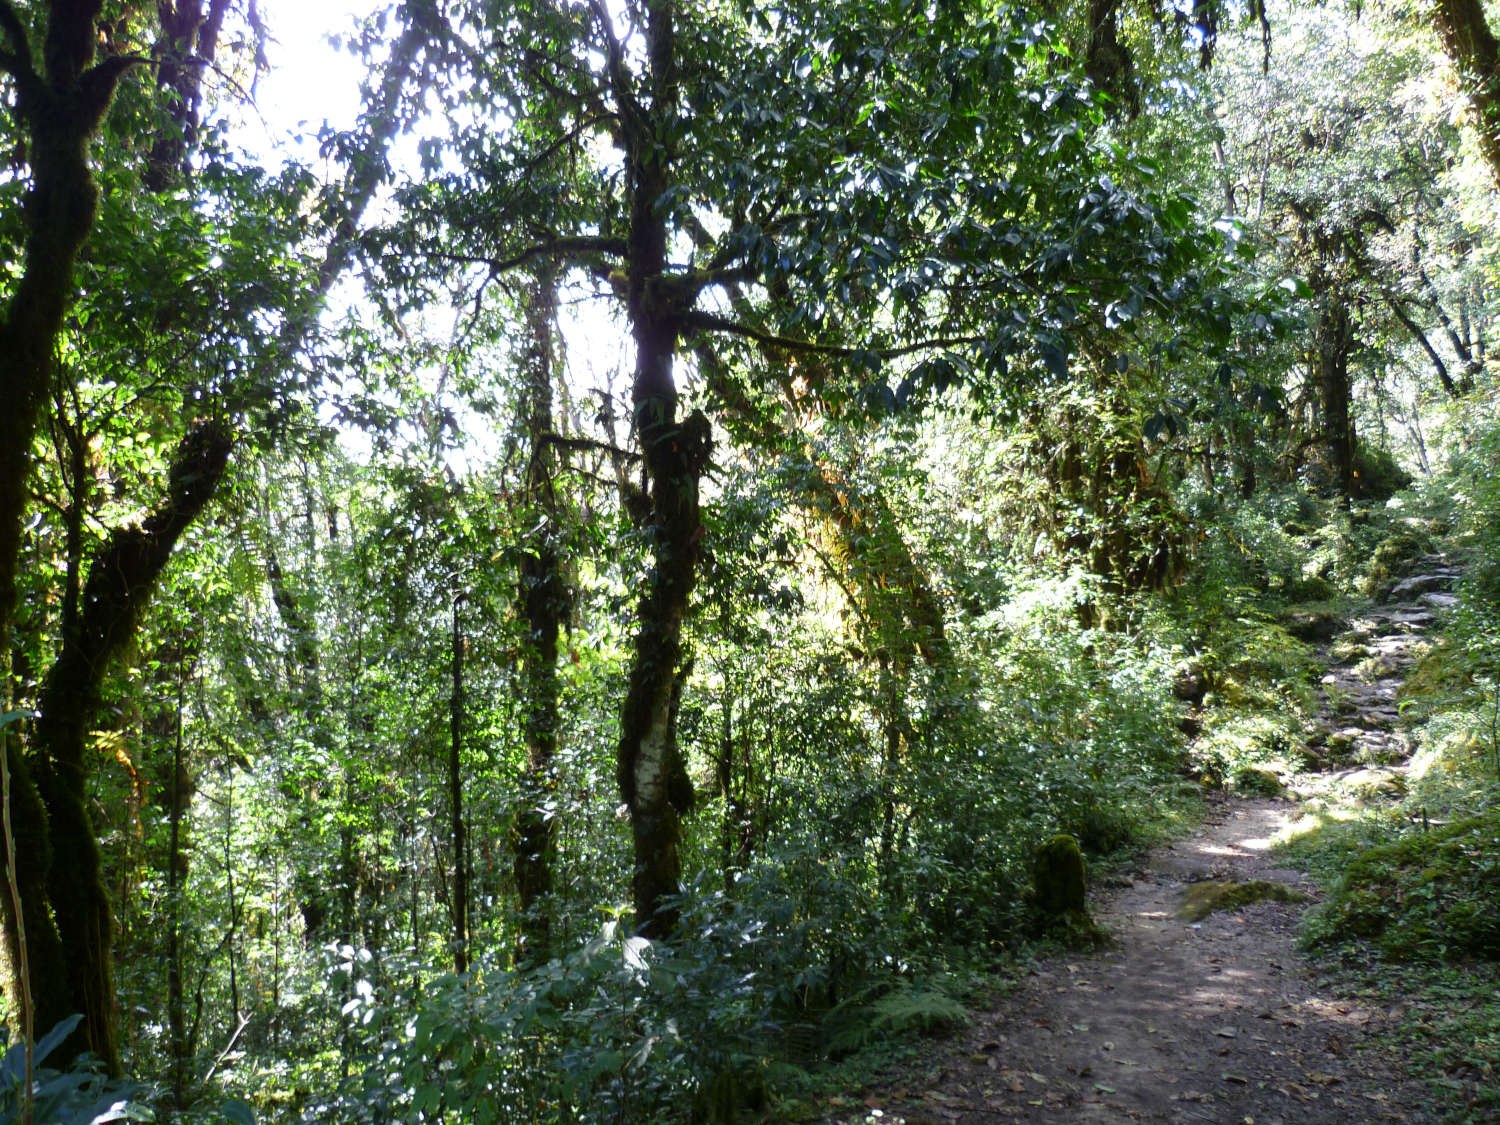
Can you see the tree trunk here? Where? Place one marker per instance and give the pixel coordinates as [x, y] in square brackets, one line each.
[1332, 344]
[652, 777]
[176, 863]
[543, 596]
[1472, 46]
[456, 799]
[119, 586]
[45, 962]
[185, 46]
[61, 107]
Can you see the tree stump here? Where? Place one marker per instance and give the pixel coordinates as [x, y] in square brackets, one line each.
[1059, 895]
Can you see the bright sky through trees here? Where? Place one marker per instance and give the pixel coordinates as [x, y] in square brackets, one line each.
[310, 80]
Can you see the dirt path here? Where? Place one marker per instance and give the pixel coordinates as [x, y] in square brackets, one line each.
[1216, 1021]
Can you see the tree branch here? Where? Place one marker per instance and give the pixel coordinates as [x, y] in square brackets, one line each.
[562, 441]
[710, 322]
[576, 246]
[631, 111]
[1421, 338]
[18, 60]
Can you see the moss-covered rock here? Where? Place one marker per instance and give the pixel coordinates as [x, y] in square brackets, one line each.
[1313, 624]
[1258, 781]
[1203, 899]
[1392, 559]
[1061, 877]
[1060, 892]
[1376, 784]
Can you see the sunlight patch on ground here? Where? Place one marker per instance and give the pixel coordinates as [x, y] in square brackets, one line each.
[1312, 820]
[1334, 1012]
[1227, 851]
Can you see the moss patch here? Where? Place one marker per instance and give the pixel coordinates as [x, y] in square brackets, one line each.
[1203, 899]
[1258, 780]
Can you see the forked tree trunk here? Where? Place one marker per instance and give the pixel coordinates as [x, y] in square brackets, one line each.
[121, 579]
[60, 101]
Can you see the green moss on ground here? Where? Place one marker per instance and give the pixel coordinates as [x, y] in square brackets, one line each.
[1203, 899]
[1258, 781]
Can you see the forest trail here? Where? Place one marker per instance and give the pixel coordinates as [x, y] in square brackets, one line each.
[1219, 1020]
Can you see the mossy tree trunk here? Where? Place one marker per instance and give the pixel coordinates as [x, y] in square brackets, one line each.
[652, 776]
[460, 911]
[1332, 344]
[185, 45]
[543, 599]
[121, 578]
[1469, 41]
[60, 99]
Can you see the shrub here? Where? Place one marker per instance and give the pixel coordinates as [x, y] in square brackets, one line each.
[1427, 896]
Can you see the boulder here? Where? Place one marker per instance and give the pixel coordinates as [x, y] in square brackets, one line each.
[1419, 584]
[1314, 625]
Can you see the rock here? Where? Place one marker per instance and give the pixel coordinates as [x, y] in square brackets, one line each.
[1190, 683]
[1440, 601]
[1420, 584]
[1313, 625]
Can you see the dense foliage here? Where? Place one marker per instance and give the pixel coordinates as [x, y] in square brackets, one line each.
[585, 605]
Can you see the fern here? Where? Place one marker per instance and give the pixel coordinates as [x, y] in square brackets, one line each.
[922, 1009]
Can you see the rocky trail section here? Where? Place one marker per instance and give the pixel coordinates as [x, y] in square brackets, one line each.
[1362, 752]
[1218, 1020]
